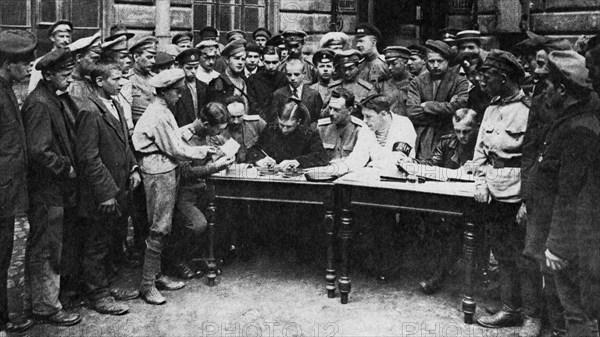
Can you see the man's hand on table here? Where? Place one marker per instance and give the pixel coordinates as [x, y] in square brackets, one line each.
[289, 165]
[482, 195]
[266, 162]
[224, 162]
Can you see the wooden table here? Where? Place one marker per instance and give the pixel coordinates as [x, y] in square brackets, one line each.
[243, 183]
[365, 189]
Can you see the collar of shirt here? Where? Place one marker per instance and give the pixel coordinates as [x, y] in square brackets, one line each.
[111, 107]
[508, 100]
[299, 89]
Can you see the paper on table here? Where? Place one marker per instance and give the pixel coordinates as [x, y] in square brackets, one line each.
[436, 172]
[230, 148]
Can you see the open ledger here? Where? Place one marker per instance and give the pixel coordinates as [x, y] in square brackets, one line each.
[436, 173]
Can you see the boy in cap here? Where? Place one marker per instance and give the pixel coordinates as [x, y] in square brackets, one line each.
[16, 53]
[231, 81]
[323, 60]
[373, 67]
[347, 65]
[253, 54]
[49, 122]
[209, 52]
[60, 34]
[193, 98]
[108, 172]
[158, 139]
[563, 235]
[143, 53]
[434, 96]
[87, 52]
[183, 40]
[416, 62]
[262, 84]
[261, 36]
[396, 87]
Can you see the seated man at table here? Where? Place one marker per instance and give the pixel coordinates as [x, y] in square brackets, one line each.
[454, 151]
[387, 138]
[288, 142]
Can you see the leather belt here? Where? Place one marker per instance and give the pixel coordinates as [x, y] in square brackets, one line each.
[498, 163]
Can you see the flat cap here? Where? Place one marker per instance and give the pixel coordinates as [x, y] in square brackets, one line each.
[117, 31]
[18, 43]
[90, 43]
[276, 41]
[393, 52]
[449, 38]
[365, 28]
[503, 61]
[439, 47]
[323, 56]
[191, 55]
[416, 49]
[60, 26]
[207, 44]
[118, 44]
[347, 56]
[58, 59]
[170, 49]
[208, 33]
[180, 37]
[253, 47]
[234, 47]
[163, 59]
[468, 35]
[334, 38]
[235, 34]
[261, 31]
[294, 36]
[166, 78]
[146, 43]
[570, 66]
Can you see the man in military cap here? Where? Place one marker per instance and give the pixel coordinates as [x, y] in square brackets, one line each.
[193, 98]
[253, 53]
[347, 64]
[396, 87]
[49, 122]
[163, 61]
[373, 67]
[279, 42]
[263, 84]
[60, 34]
[416, 62]
[16, 53]
[294, 42]
[144, 57]
[564, 233]
[183, 40]
[208, 55]
[231, 81]
[323, 60]
[235, 34]
[470, 41]
[498, 153]
[433, 98]
[87, 52]
[209, 33]
[448, 35]
[340, 130]
[261, 36]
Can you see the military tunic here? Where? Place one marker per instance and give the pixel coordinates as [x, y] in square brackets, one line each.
[360, 88]
[246, 135]
[142, 94]
[339, 141]
[373, 68]
[80, 89]
[396, 92]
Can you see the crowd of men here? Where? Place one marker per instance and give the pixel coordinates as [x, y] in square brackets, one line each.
[114, 132]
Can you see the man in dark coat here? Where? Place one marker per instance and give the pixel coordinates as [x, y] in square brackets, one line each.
[262, 84]
[298, 89]
[107, 168]
[193, 98]
[49, 122]
[566, 187]
[433, 98]
[16, 52]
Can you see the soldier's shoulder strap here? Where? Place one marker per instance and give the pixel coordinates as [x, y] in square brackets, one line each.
[324, 121]
[251, 118]
[365, 84]
[526, 100]
[335, 84]
[357, 121]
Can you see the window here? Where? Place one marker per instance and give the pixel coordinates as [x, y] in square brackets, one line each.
[226, 15]
[38, 15]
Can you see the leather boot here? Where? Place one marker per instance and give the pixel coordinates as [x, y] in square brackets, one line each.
[502, 319]
[532, 327]
[148, 290]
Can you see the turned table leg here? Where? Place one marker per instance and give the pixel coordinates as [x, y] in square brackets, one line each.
[330, 276]
[468, 302]
[211, 218]
[344, 283]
